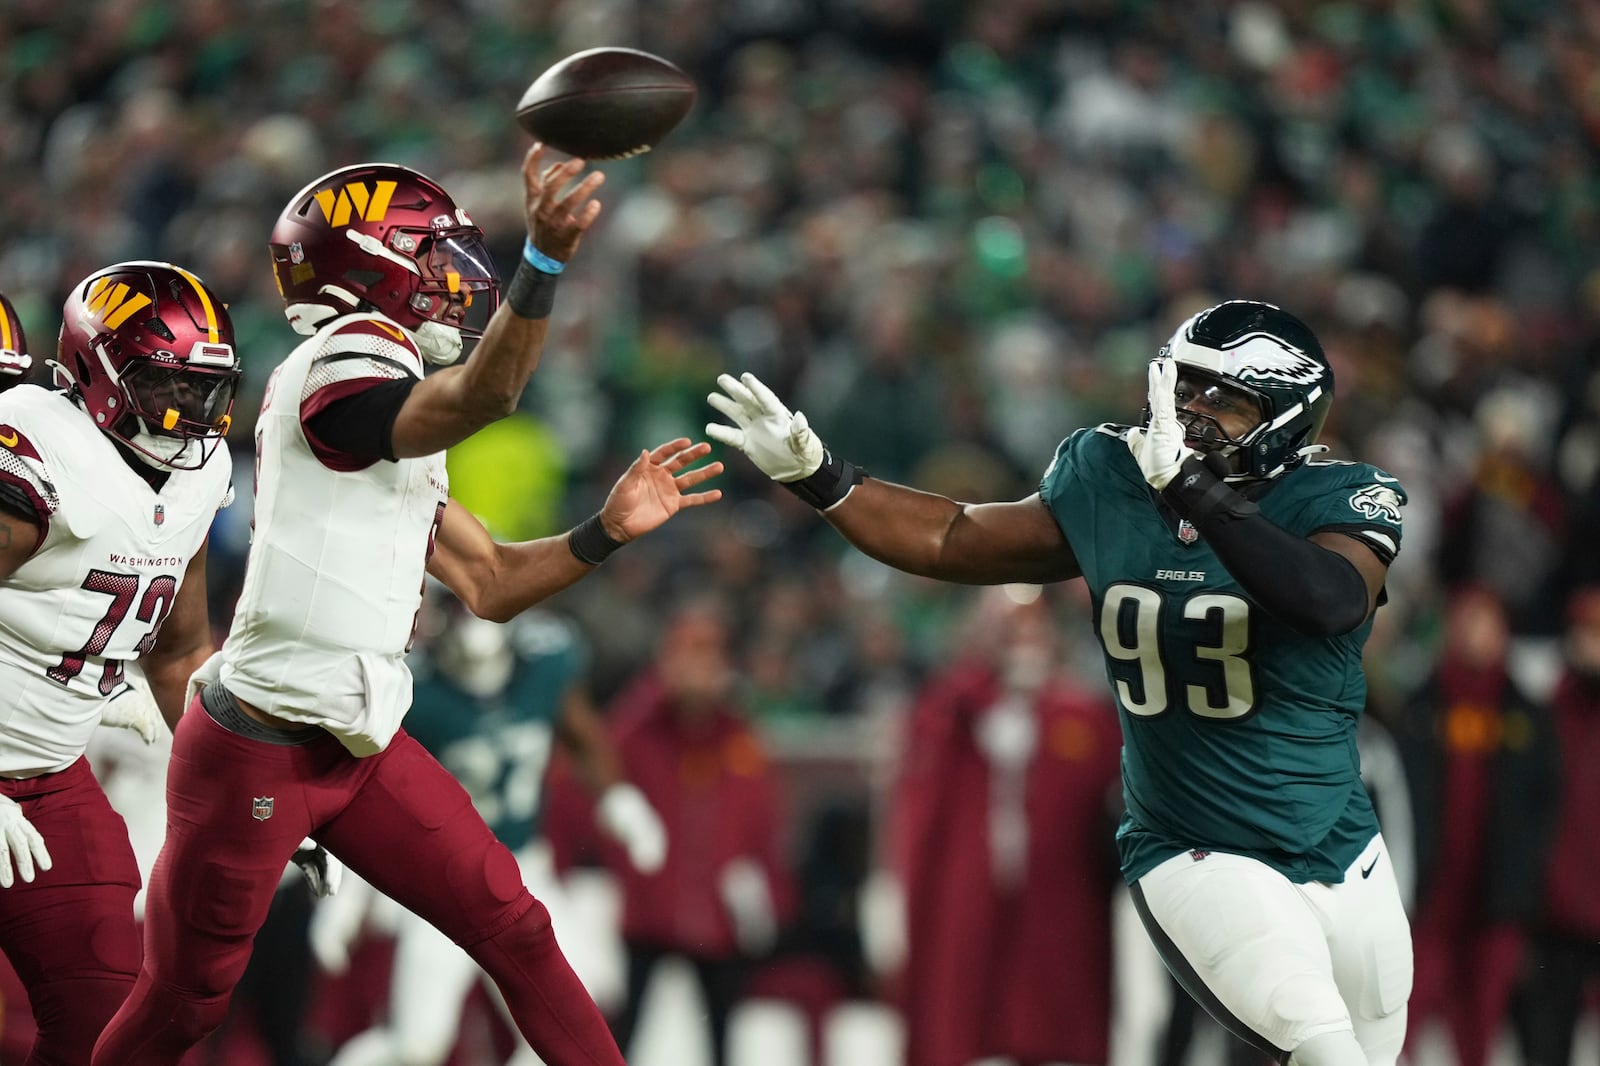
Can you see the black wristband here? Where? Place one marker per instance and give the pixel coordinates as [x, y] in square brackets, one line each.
[829, 484]
[1198, 493]
[532, 292]
[590, 542]
[1310, 589]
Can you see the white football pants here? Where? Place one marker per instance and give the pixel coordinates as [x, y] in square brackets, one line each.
[1280, 963]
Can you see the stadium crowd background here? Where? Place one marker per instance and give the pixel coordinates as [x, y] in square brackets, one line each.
[950, 232]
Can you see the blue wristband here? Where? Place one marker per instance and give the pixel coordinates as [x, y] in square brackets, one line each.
[538, 260]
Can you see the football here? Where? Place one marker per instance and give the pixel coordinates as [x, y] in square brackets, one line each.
[606, 103]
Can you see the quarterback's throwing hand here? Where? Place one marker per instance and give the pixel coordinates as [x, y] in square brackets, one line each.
[20, 843]
[1159, 447]
[777, 440]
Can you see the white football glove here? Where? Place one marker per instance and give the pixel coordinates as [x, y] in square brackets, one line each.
[20, 843]
[210, 673]
[1159, 448]
[319, 867]
[745, 892]
[628, 818]
[133, 707]
[777, 440]
[881, 916]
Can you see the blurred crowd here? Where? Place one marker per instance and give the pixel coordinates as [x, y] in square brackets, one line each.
[950, 232]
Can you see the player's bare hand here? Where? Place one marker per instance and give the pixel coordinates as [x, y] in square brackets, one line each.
[653, 488]
[560, 207]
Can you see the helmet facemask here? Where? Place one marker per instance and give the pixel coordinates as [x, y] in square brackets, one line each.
[1205, 401]
[180, 411]
[456, 292]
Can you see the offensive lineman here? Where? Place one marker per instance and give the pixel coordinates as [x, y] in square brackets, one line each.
[107, 492]
[1233, 584]
[300, 728]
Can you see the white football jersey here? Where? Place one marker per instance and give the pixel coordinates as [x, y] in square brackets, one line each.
[337, 557]
[105, 574]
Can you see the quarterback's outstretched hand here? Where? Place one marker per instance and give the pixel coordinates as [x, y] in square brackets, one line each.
[1159, 448]
[627, 816]
[777, 440]
[651, 490]
[20, 843]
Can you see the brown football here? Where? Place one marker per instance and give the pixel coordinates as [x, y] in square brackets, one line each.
[606, 103]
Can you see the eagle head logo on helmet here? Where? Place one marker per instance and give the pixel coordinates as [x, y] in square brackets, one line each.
[1268, 353]
[379, 237]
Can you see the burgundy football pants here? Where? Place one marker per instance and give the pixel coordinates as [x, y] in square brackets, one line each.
[70, 933]
[236, 810]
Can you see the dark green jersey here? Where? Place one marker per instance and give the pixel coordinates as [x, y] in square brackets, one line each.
[498, 746]
[1239, 734]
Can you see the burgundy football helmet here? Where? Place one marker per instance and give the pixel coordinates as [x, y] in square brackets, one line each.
[148, 351]
[382, 236]
[15, 362]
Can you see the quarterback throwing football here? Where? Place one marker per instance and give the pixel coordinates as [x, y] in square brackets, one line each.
[108, 487]
[297, 729]
[1233, 582]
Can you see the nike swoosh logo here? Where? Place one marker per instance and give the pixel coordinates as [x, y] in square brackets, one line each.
[391, 331]
[1373, 865]
[9, 441]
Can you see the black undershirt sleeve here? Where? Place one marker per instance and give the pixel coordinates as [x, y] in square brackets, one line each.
[1302, 584]
[14, 501]
[362, 425]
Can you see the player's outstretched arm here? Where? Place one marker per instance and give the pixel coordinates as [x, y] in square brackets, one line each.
[184, 643]
[918, 532]
[451, 404]
[499, 581]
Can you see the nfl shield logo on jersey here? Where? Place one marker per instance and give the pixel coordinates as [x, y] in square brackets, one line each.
[161, 514]
[261, 808]
[1186, 532]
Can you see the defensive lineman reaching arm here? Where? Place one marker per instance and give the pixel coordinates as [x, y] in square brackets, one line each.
[1232, 582]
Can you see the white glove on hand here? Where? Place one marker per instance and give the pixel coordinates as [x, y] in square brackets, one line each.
[20, 843]
[777, 440]
[133, 707]
[744, 890]
[319, 867]
[1159, 448]
[210, 673]
[881, 915]
[628, 818]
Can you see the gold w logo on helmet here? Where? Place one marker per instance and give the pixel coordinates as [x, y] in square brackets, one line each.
[112, 302]
[369, 205]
